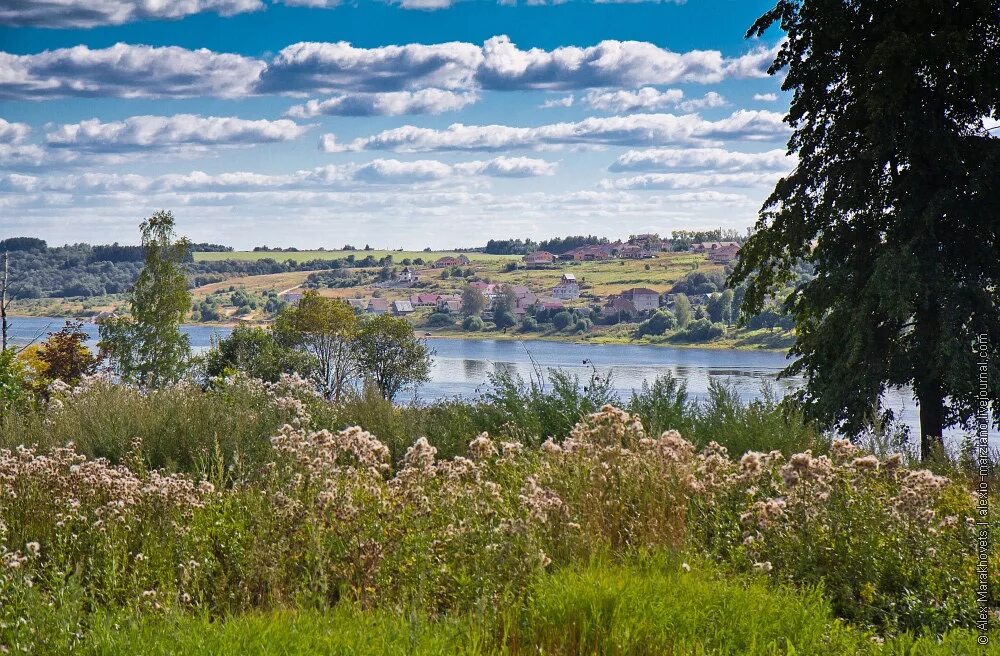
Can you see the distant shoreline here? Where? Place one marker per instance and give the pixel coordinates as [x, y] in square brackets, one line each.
[595, 340]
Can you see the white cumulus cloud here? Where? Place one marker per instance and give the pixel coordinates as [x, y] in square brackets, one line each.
[686, 159]
[332, 67]
[765, 97]
[126, 71]
[609, 64]
[692, 180]
[171, 133]
[90, 13]
[632, 130]
[390, 103]
[138, 71]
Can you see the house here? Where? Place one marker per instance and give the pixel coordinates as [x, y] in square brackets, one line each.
[424, 300]
[408, 275]
[489, 290]
[589, 253]
[708, 246]
[401, 308]
[358, 304]
[568, 289]
[642, 298]
[551, 304]
[378, 306]
[633, 252]
[290, 297]
[724, 254]
[619, 306]
[539, 257]
[449, 261]
[451, 304]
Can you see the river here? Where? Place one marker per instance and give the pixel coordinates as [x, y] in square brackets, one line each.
[461, 367]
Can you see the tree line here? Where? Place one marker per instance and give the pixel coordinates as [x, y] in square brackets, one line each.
[320, 339]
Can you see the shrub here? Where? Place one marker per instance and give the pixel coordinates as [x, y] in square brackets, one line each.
[439, 320]
[660, 322]
[473, 324]
[563, 320]
[701, 330]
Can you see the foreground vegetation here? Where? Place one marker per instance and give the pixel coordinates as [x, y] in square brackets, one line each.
[231, 518]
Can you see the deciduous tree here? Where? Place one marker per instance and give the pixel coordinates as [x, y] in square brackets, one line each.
[893, 200]
[147, 347]
[325, 328]
[390, 356]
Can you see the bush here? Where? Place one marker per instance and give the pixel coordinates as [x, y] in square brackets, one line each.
[563, 320]
[440, 319]
[473, 324]
[504, 319]
[701, 330]
[660, 322]
[529, 324]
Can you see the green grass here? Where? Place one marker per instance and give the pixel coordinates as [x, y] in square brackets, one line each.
[302, 256]
[612, 276]
[651, 608]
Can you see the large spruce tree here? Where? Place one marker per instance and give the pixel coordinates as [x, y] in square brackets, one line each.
[896, 201]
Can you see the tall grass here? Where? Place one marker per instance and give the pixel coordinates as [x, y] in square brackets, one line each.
[649, 608]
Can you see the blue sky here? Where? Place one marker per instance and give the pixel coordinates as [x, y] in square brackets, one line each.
[394, 124]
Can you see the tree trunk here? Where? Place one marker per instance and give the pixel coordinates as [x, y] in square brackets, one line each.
[928, 379]
[931, 420]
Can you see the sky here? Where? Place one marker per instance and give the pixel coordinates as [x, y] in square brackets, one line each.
[393, 123]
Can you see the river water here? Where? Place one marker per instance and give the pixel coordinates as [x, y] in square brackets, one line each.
[461, 367]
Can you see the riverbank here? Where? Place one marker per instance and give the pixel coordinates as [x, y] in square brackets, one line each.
[756, 340]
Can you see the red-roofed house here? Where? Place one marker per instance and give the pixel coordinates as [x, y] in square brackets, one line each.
[424, 300]
[539, 257]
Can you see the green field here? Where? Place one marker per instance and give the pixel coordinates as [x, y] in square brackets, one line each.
[303, 256]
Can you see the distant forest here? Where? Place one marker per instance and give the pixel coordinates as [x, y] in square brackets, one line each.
[82, 270]
[679, 240]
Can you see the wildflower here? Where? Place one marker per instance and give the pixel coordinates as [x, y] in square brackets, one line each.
[763, 567]
[33, 548]
[482, 447]
[866, 463]
[685, 567]
[549, 446]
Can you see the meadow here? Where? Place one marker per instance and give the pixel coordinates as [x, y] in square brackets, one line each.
[246, 517]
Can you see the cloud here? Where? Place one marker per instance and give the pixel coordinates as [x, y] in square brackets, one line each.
[609, 64]
[392, 170]
[126, 71]
[510, 167]
[13, 151]
[176, 133]
[765, 97]
[650, 99]
[717, 159]
[90, 13]
[332, 67]
[137, 71]
[391, 103]
[12, 133]
[342, 177]
[692, 180]
[632, 130]
[565, 101]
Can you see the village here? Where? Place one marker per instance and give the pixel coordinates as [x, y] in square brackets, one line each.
[445, 286]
